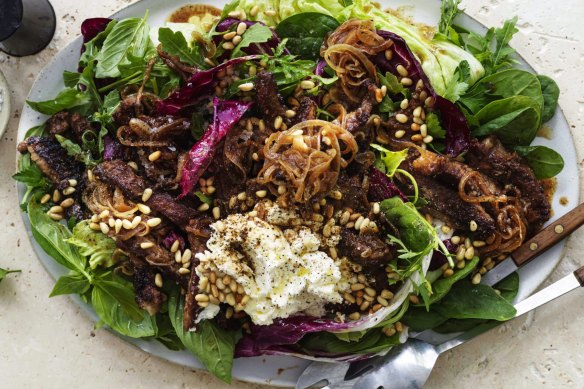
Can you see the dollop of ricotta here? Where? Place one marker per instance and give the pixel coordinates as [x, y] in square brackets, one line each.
[283, 274]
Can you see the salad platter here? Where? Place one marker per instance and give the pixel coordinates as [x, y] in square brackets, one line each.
[469, 115]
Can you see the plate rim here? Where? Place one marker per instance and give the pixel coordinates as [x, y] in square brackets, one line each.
[146, 346]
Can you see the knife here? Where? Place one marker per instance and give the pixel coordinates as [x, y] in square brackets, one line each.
[537, 245]
[374, 372]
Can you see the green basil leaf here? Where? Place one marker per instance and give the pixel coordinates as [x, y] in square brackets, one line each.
[545, 162]
[469, 301]
[71, 284]
[373, 341]
[98, 247]
[213, 346]
[52, 236]
[174, 43]
[515, 120]
[258, 33]
[4, 273]
[71, 79]
[128, 37]
[66, 99]
[114, 304]
[306, 32]
[551, 93]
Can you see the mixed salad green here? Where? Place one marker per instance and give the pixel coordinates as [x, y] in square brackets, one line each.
[474, 72]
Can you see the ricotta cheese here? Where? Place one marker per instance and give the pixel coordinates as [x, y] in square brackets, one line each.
[282, 273]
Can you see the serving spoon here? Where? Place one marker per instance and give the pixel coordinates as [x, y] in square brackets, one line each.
[409, 365]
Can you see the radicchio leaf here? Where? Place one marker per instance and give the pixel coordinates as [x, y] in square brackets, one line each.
[172, 237]
[225, 114]
[438, 258]
[457, 131]
[255, 48]
[93, 26]
[319, 70]
[112, 149]
[199, 87]
[381, 187]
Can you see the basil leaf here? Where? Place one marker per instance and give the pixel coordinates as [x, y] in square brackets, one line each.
[98, 247]
[70, 284]
[52, 236]
[213, 346]
[545, 162]
[509, 286]
[114, 304]
[515, 120]
[306, 32]
[258, 33]
[469, 301]
[175, 44]
[66, 99]
[551, 93]
[4, 273]
[128, 37]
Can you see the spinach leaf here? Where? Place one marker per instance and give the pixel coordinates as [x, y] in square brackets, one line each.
[551, 93]
[545, 162]
[306, 32]
[113, 301]
[212, 345]
[458, 325]
[515, 120]
[509, 286]
[52, 236]
[174, 43]
[128, 37]
[258, 33]
[73, 283]
[442, 286]
[420, 319]
[413, 228]
[4, 273]
[501, 85]
[98, 247]
[373, 341]
[66, 99]
[469, 301]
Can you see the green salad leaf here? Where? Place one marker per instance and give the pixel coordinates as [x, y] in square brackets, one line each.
[174, 43]
[4, 273]
[306, 32]
[551, 93]
[73, 283]
[391, 159]
[442, 286]
[212, 345]
[545, 162]
[66, 99]
[258, 33]
[75, 151]
[373, 341]
[127, 37]
[95, 245]
[448, 12]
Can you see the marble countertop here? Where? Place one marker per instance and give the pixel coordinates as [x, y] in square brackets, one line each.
[51, 342]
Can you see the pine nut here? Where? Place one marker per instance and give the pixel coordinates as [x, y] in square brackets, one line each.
[154, 156]
[241, 27]
[246, 87]
[146, 245]
[146, 195]
[154, 222]
[400, 117]
[144, 209]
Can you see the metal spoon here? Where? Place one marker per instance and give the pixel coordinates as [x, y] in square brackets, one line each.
[410, 364]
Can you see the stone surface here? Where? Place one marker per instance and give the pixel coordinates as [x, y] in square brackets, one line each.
[51, 343]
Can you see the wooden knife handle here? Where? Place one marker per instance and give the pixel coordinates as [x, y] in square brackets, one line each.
[549, 236]
[580, 275]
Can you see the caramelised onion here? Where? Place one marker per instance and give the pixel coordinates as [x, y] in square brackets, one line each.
[307, 159]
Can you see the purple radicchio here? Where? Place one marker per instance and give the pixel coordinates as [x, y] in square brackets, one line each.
[112, 149]
[93, 26]
[172, 237]
[457, 131]
[199, 87]
[226, 113]
[256, 48]
[439, 259]
[381, 187]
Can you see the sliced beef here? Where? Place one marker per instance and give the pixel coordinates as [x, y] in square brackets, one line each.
[445, 204]
[119, 174]
[306, 111]
[269, 101]
[64, 122]
[490, 157]
[54, 161]
[58, 123]
[148, 296]
[199, 232]
[191, 308]
[354, 188]
[367, 250]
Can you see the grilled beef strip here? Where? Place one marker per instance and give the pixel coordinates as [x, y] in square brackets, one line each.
[269, 102]
[192, 308]
[119, 174]
[148, 296]
[307, 110]
[367, 250]
[490, 157]
[445, 204]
